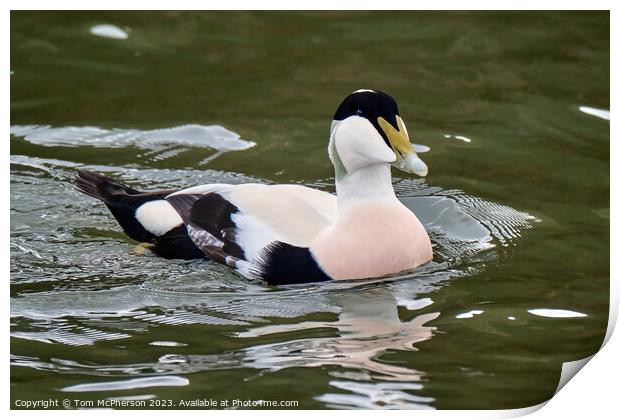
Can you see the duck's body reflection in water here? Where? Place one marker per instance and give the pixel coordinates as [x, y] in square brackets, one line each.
[368, 326]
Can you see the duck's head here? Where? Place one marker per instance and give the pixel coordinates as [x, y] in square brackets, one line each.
[366, 130]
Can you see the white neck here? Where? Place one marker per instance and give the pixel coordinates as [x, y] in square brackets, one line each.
[372, 183]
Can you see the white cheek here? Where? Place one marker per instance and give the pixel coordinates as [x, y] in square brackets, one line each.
[158, 217]
[359, 144]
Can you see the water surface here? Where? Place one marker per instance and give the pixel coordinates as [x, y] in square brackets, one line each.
[513, 106]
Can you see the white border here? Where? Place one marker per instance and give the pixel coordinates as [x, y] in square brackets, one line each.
[314, 5]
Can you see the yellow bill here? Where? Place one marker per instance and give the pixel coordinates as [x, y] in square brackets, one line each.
[406, 158]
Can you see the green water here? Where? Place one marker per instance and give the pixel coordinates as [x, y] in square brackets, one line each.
[519, 215]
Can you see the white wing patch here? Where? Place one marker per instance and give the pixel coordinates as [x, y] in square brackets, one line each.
[252, 234]
[158, 217]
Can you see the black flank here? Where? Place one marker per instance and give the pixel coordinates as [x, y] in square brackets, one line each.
[176, 244]
[283, 263]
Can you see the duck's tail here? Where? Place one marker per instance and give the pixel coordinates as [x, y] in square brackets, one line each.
[100, 187]
[122, 201]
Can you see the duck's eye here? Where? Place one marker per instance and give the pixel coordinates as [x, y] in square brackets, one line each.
[359, 112]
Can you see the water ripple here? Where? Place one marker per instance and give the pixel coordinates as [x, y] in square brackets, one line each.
[161, 143]
[153, 381]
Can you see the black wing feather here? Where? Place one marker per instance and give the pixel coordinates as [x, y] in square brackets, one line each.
[209, 217]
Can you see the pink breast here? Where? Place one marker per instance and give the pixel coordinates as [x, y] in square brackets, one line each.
[372, 241]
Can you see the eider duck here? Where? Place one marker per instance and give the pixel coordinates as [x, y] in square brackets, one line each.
[288, 234]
